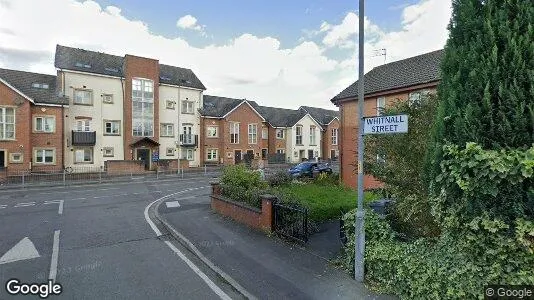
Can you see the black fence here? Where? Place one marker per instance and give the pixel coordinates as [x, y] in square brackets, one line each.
[291, 221]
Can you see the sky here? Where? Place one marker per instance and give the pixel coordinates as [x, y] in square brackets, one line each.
[278, 53]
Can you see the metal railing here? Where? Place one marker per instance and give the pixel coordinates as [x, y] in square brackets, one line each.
[291, 221]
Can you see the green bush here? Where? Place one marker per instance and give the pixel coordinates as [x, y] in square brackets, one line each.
[327, 179]
[243, 185]
[279, 178]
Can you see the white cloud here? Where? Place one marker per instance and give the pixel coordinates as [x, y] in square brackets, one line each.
[189, 22]
[248, 66]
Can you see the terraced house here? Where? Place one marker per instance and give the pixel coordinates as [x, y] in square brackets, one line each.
[403, 80]
[127, 108]
[31, 128]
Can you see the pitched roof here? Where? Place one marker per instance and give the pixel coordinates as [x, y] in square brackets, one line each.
[281, 117]
[415, 70]
[215, 106]
[23, 81]
[75, 59]
[321, 115]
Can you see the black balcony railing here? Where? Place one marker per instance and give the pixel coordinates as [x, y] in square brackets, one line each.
[188, 140]
[83, 138]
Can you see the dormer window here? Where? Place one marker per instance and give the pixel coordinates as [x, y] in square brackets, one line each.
[40, 85]
[81, 65]
[114, 70]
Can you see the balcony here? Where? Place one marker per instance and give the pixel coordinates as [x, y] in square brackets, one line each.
[188, 140]
[83, 138]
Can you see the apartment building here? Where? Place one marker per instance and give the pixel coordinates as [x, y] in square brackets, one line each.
[30, 121]
[232, 128]
[403, 80]
[127, 108]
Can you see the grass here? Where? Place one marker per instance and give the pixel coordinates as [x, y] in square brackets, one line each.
[324, 202]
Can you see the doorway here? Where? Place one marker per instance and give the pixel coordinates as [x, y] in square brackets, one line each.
[333, 155]
[2, 159]
[310, 154]
[237, 156]
[144, 155]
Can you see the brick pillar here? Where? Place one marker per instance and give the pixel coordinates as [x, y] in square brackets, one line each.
[267, 212]
[215, 188]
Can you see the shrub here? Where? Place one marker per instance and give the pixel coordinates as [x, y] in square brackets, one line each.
[240, 184]
[279, 178]
[327, 179]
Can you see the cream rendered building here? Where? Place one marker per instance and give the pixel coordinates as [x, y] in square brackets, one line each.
[303, 140]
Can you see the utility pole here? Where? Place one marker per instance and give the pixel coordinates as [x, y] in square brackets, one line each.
[359, 231]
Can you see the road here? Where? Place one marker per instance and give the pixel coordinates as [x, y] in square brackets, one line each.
[96, 242]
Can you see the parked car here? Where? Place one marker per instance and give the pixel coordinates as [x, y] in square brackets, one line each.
[307, 169]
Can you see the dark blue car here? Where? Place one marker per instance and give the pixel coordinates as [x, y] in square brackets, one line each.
[306, 169]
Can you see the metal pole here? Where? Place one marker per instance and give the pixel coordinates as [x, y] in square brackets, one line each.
[359, 231]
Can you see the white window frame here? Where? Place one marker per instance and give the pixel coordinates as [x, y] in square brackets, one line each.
[280, 134]
[281, 151]
[44, 151]
[105, 152]
[143, 118]
[188, 154]
[214, 131]
[170, 151]
[189, 107]
[265, 133]
[4, 124]
[115, 124]
[313, 135]
[16, 161]
[335, 134]
[380, 105]
[253, 133]
[45, 127]
[83, 125]
[76, 151]
[86, 99]
[298, 134]
[170, 104]
[234, 132]
[212, 154]
[164, 130]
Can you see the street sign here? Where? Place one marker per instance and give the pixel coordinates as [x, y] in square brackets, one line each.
[386, 124]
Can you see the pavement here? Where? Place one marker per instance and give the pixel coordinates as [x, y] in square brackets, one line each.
[98, 242]
[265, 267]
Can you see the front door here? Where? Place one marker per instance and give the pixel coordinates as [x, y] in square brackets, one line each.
[333, 154]
[237, 156]
[263, 153]
[310, 154]
[2, 159]
[144, 155]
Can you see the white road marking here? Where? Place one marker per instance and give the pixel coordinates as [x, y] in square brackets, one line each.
[55, 254]
[172, 204]
[201, 274]
[60, 202]
[25, 204]
[24, 249]
[3, 206]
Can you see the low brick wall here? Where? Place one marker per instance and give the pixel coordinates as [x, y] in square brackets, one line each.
[118, 167]
[172, 164]
[250, 216]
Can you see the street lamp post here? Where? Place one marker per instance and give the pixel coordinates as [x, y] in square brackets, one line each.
[359, 231]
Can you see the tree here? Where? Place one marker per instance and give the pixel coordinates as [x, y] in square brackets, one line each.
[487, 86]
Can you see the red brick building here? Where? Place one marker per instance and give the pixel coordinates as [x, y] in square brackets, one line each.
[404, 80]
[31, 122]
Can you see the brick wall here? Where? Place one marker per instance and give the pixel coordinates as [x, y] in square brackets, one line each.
[211, 143]
[252, 217]
[172, 164]
[275, 143]
[349, 130]
[327, 139]
[52, 140]
[124, 167]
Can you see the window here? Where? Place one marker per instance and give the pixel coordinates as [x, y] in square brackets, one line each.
[7, 123]
[312, 135]
[381, 158]
[45, 156]
[170, 151]
[252, 133]
[417, 97]
[108, 152]
[280, 151]
[264, 133]
[83, 97]
[234, 133]
[107, 98]
[280, 133]
[167, 129]
[45, 124]
[212, 154]
[15, 158]
[335, 132]
[187, 134]
[188, 107]
[188, 154]
[169, 104]
[142, 107]
[112, 127]
[380, 105]
[40, 85]
[212, 131]
[83, 155]
[83, 125]
[298, 135]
